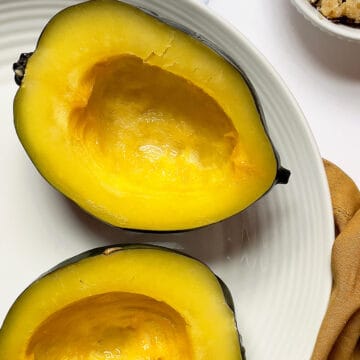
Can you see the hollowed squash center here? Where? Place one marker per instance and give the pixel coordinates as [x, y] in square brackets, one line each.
[115, 325]
[151, 127]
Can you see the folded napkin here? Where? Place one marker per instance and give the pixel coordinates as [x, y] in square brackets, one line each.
[339, 335]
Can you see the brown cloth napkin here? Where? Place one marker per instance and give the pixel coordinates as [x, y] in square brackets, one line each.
[339, 335]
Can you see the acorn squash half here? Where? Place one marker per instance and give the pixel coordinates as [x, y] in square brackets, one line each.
[138, 123]
[125, 303]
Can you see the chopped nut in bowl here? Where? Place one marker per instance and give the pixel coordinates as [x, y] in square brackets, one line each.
[337, 17]
[345, 12]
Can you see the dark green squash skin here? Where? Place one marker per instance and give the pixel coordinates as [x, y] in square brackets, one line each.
[108, 250]
[282, 174]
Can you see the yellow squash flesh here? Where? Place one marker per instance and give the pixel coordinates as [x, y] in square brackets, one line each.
[138, 123]
[130, 304]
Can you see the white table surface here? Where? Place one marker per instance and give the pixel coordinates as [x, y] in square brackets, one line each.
[321, 71]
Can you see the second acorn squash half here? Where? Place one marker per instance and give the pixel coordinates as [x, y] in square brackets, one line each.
[126, 303]
[140, 124]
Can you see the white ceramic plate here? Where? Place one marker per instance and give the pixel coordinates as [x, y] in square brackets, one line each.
[275, 256]
[316, 18]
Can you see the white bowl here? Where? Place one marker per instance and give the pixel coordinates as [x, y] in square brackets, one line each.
[315, 17]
